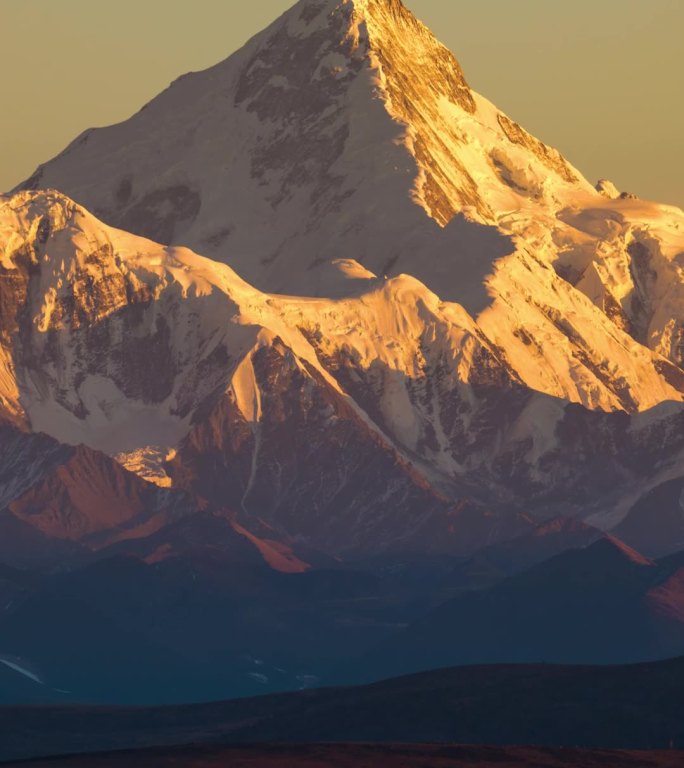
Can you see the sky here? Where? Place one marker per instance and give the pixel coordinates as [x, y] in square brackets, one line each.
[601, 80]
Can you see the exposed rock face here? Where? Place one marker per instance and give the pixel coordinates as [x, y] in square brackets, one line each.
[312, 467]
[606, 188]
[59, 503]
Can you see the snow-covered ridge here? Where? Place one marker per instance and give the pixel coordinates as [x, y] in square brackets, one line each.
[120, 328]
[147, 352]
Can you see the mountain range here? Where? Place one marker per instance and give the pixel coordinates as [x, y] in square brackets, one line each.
[323, 315]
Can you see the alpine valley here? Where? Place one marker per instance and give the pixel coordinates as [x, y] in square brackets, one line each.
[319, 368]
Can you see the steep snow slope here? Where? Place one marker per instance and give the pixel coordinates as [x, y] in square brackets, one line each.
[344, 143]
[627, 256]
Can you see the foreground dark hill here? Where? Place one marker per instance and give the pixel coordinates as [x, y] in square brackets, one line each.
[348, 756]
[632, 707]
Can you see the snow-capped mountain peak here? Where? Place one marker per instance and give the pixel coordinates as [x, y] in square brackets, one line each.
[385, 256]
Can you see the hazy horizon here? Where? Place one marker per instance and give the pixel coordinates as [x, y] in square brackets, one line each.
[606, 93]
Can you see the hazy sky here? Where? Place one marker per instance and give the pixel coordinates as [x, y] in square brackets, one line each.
[602, 80]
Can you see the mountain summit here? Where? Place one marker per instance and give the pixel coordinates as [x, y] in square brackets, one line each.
[342, 124]
[459, 330]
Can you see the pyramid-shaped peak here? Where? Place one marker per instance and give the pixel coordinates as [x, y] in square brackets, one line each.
[328, 60]
[392, 36]
[312, 8]
[343, 125]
